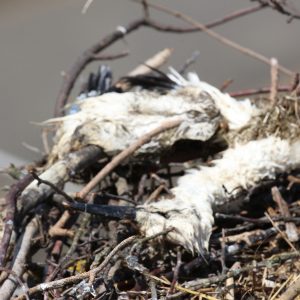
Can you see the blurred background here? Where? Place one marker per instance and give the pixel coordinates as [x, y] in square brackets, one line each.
[41, 39]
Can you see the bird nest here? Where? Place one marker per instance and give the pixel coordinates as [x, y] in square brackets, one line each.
[181, 191]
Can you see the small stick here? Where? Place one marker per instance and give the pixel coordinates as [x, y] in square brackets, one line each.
[291, 229]
[250, 237]
[274, 80]
[58, 230]
[154, 62]
[229, 283]
[223, 251]
[280, 232]
[226, 84]
[154, 195]
[274, 296]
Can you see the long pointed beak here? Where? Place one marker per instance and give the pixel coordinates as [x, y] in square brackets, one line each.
[109, 211]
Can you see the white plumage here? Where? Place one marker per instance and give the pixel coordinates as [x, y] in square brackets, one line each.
[114, 121]
[190, 211]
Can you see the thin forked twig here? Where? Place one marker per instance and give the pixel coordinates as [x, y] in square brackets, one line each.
[217, 36]
[53, 186]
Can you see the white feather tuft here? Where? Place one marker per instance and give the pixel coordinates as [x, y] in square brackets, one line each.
[190, 212]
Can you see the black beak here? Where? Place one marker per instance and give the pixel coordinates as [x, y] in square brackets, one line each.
[109, 211]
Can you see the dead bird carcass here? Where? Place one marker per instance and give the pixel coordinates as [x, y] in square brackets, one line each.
[258, 148]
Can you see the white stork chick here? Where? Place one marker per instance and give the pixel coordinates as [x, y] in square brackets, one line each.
[114, 121]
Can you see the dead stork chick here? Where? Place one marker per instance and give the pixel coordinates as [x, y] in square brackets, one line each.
[113, 121]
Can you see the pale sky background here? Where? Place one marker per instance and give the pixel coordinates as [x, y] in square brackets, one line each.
[40, 39]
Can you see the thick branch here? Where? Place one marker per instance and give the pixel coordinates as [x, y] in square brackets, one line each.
[10, 200]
